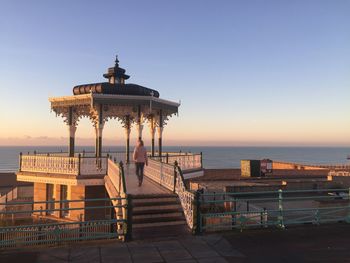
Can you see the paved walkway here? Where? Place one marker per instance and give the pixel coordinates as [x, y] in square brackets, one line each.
[148, 186]
[204, 249]
[324, 243]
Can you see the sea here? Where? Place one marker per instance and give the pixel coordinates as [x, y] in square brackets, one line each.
[213, 157]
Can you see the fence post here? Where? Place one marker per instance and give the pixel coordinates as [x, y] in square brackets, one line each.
[280, 209]
[20, 161]
[128, 234]
[80, 226]
[197, 206]
[175, 175]
[348, 217]
[79, 160]
[167, 157]
[201, 160]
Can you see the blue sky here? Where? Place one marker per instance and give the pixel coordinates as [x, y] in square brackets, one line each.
[246, 72]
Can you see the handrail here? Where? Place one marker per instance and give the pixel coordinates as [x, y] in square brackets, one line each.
[188, 199]
[115, 173]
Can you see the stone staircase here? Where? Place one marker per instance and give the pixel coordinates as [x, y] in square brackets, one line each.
[156, 211]
[158, 215]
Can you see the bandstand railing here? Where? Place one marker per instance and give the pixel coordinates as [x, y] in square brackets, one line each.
[78, 165]
[187, 161]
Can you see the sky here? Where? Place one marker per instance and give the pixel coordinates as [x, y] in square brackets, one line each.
[247, 73]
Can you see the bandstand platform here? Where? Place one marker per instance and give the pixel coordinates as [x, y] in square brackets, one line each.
[148, 187]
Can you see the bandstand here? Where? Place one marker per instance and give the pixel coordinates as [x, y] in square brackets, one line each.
[131, 104]
[63, 182]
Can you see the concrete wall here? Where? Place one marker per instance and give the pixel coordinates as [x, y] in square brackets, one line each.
[289, 166]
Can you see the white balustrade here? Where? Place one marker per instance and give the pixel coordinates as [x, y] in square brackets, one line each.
[93, 166]
[186, 161]
[116, 176]
[161, 173]
[186, 199]
[63, 165]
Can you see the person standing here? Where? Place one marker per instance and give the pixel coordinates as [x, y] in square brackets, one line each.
[140, 158]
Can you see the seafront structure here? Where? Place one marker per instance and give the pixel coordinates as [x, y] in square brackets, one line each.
[59, 178]
[84, 196]
[131, 104]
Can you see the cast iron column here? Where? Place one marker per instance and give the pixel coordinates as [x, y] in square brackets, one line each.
[72, 129]
[139, 123]
[127, 127]
[160, 133]
[152, 129]
[98, 129]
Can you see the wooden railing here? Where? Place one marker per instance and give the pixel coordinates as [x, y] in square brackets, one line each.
[63, 164]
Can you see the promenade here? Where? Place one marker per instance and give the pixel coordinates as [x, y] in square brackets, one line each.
[326, 243]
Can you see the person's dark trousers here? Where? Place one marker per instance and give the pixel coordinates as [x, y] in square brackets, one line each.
[139, 171]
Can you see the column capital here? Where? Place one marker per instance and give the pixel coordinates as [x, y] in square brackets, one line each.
[72, 129]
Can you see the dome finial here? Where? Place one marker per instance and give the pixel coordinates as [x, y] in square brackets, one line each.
[116, 61]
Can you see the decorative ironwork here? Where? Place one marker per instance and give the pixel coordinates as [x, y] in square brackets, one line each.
[171, 177]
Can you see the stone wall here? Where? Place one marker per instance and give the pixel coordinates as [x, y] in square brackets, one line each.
[76, 192]
[39, 195]
[96, 192]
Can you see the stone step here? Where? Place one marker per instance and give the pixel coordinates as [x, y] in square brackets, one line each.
[159, 215]
[158, 207]
[155, 203]
[157, 211]
[166, 218]
[159, 224]
[161, 232]
[146, 201]
[153, 196]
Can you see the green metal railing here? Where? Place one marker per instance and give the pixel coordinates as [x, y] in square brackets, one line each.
[226, 211]
[46, 229]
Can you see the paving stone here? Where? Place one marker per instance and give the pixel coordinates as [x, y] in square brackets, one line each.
[53, 255]
[213, 260]
[198, 248]
[222, 246]
[144, 253]
[172, 251]
[85, 255]
[116, 254]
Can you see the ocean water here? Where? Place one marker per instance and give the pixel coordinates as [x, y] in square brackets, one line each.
[213, 157]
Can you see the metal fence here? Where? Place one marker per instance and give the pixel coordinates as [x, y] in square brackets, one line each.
[45, 229]
[226, 211]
